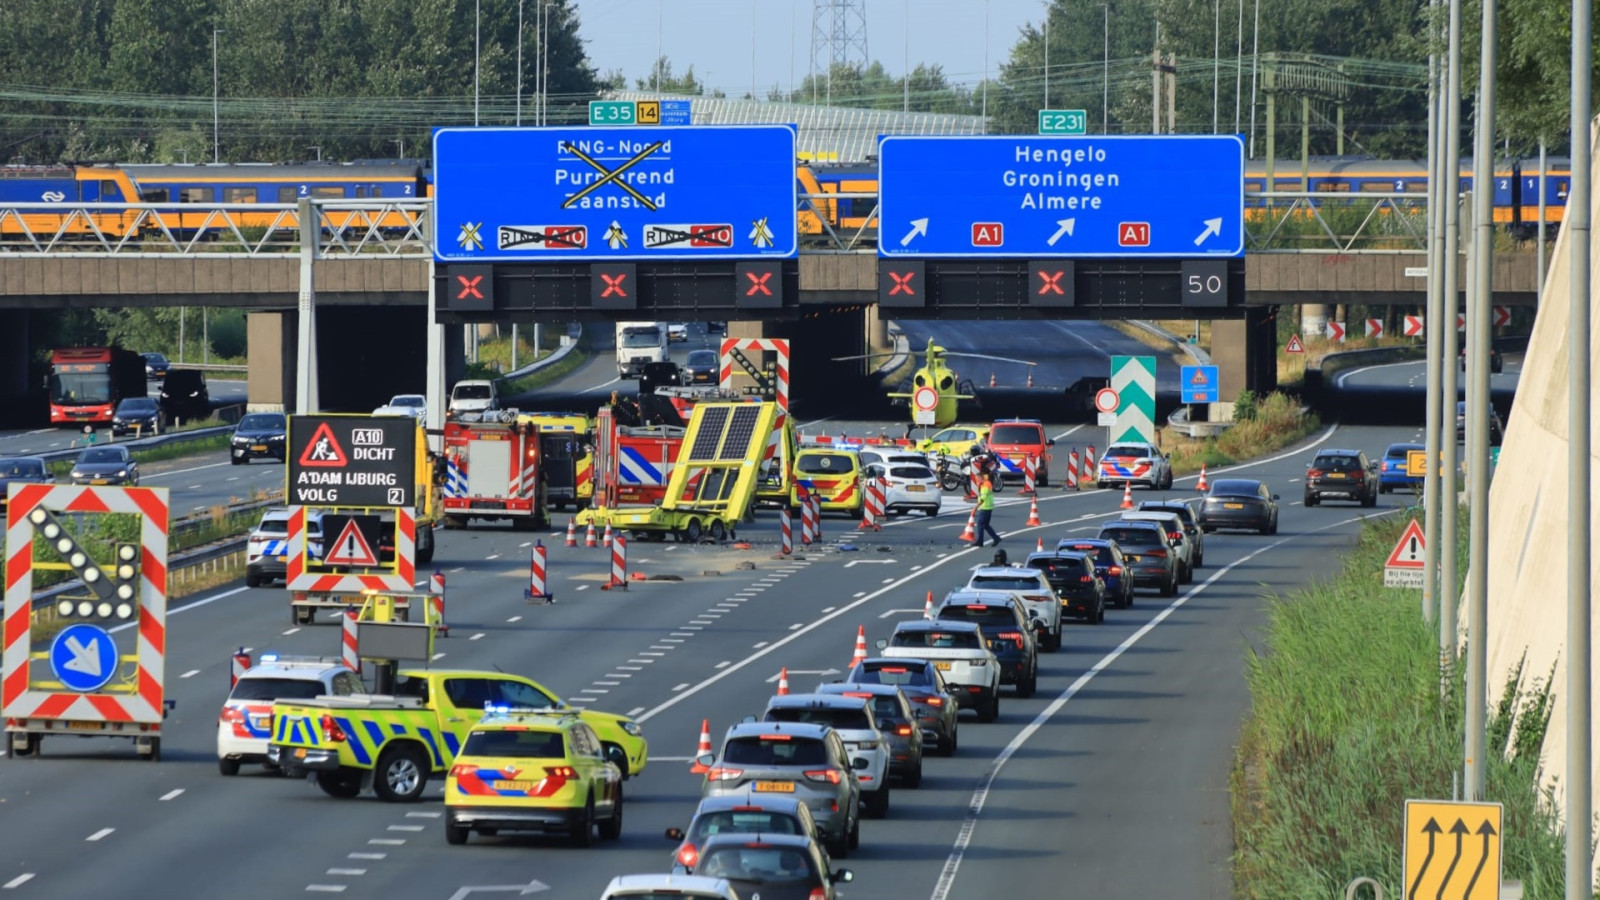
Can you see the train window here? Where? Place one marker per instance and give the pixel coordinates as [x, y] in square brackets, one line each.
[361, 191]
[196, 195]
[1383, 187]
[239, 195]
[110, 192]
[328, 190]
[288, 194]
[1335, 185]
[155, 195]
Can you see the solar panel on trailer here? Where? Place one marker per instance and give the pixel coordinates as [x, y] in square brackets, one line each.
[740, 433]
[712, 421]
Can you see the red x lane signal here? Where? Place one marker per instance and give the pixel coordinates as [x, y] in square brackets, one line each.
[902, 283]
[1050, 282]
[758, 284]
[469, 287]
[614, 285]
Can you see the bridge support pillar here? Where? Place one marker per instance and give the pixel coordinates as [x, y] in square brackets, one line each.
[1314, 320]
[1245, 351]
[271, 358]
[20, 395]
[815, 342]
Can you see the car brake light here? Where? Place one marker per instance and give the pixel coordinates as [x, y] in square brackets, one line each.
[561, 771]
[1160, 553]
[886, 482]
[1114, 570]
[862, 694]
[460, 769]
[331, 731]
[977, 606]
[1314, 473]
[722, 773]
[817, 894]
[688, 855]
[934, 701]
[1012, 636]
[831, 776]
[903, 730]
[1359, 476]
[894, 670]
[1086, 579]
[1175, 535]
[231, 714]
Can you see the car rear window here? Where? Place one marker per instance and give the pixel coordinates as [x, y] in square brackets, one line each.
[471, 392]
[1235, 488]
[518, 744]
[21, 469]
[959, 640]
[754, 862]
[261, 422]
[1131, 535]
[904, 676]
[1059, 566]
[1336, 462]
[1399, 452]
[823, 464]
[777, 750]
[1016, 434]
[1101, 555]
[1139, 450]
[847, 719]
[981, 613]
[277, 689]
[752, 821]
[919, 472]
[1004, 583]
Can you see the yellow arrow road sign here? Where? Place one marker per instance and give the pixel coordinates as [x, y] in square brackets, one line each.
[1452, 850]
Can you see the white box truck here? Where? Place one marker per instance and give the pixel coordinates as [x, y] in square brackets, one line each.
[639, 343]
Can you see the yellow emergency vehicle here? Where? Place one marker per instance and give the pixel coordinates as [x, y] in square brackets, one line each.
[533, 770]
[566, 457]
[833, 473]
[394, 744]
[955, 440]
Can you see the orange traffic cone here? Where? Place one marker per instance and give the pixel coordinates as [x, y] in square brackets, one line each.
[970, 533]
[991, 379]
[1127, 495]
[588, 535]
[1201, 484]
[1033, 513]
[1039, 546]
[606, 540]
[1030, 378]
[704, 748]
[927, 608]
[783, 681]
[572, 534]
[860, 656]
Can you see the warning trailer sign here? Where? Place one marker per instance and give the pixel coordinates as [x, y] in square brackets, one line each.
[352, 461]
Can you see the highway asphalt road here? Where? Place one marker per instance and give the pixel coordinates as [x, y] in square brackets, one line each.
[1396, 393]
[45, 440]
[1113, 779]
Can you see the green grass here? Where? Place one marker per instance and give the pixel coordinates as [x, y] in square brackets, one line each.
[1347, 721]
[1278, 423]
[207, 444]
[556, 371]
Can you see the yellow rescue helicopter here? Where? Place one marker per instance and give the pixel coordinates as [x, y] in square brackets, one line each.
[947, 386]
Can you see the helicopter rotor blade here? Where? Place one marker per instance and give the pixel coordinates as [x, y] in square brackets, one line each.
[862, 356]
[987, 356]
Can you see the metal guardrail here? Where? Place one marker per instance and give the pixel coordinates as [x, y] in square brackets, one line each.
[159, 440]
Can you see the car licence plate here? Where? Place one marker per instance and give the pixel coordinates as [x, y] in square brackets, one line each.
[942, 666]
[299, 753]
[1233, 506]
[1336, 475]
[775, 787]
[259, 448]
[83, 726]
[915, 488]
[502, 785]
[99, 481]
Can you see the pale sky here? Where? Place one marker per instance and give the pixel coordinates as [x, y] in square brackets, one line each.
[715, 36]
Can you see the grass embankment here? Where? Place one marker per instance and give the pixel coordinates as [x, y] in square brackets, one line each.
[61, 468]
[1272, 423]
[1347, 721]
[494, 359]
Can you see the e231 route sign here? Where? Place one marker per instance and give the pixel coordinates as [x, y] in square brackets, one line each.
[1037, 196]
[618, 194]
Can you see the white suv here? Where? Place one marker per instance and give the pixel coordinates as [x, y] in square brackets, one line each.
[267, 553]
[1033, 587]
[960, 653]
[852, 718]
[245, 724]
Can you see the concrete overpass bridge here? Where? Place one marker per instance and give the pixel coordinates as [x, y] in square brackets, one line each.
[349, 257]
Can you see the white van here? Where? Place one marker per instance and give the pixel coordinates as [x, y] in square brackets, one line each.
[640, 343]
[474, 395]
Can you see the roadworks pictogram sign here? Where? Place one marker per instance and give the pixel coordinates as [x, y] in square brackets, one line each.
[1404, 566]
[324, 450]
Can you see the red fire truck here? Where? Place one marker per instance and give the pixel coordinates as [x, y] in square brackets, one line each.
[633, 463]
[492, 470]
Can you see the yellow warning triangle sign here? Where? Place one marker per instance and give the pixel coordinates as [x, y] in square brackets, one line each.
[1408, 551]
[1294, 345]
[351, 548]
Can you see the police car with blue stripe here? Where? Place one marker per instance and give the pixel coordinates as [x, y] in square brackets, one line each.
[267, 554]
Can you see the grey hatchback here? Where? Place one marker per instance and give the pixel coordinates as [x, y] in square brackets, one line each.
[805, 761]
[896, 721]
[772, 867]
[738, 814]
[1148, 553]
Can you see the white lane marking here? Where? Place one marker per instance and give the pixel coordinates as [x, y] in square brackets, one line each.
[325, 888]
[635, 711]
[663, 646]
[581, 587]
[615, 675]
[759, 644]
[492, 556]
[422, 815]
[729, 604]
[190, 674]
[630, 668]
[172, 794]
[291, 631]
[406, 827]
[681, 634]
[724, 664]
[99, 834]
[952, 865]
[18, 881]
[797, 626]
[436, 656]
[528, 543]
[185, 471]
[888, 581]
[366, 856]
[595, 691]
[514, 619]
[652, 653]
[892, 612]
[186, 607]
[681, 686]
[828, 609]
[860, 594]
[337, 871]
[672, 758]
[641, 660]
[476, 637]
[671, 641]
[574, 700]
[1067, 432]
[695, 627]
[386, 842]
[192, 487]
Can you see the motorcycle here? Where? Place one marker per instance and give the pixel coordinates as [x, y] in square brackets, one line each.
[956, 473]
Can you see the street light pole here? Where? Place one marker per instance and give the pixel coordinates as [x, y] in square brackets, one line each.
[1216, 60]
[1105, 71]
[477, 54]
[519, 86]
[1047, 55]
[216, 119]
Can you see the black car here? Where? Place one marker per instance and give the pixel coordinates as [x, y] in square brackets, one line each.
[136, 414]
[1342, 475]
[1082, 592]
[1006, 627]
[1239, 503]
[1191, 525]
[1497, 361]
[932, 701]
[1080, 394]
[1147, 552]
[155, 366]
[106, 465]
[258, 435]
[773, 866]
[22, 470]
[1496, 431]
[1108, 564]
[701, 367]
[184, 396]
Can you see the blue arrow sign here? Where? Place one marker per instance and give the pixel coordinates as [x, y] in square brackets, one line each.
[1199, 384]
[1032, 196]
[83, 657]
[636, 193]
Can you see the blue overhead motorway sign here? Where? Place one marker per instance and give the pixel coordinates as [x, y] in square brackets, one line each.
[1033, 196]
[632, 193]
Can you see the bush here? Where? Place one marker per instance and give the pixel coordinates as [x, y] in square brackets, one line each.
[1244, 408]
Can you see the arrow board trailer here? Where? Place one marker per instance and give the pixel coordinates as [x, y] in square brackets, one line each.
[86, 658]
[492, 469]
[1034, 196]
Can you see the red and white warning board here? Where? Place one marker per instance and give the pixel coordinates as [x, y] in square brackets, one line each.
[399, 576]
[1404, 567]
[779, 347]
[350, 548]
[1294, 345]
[85, 673]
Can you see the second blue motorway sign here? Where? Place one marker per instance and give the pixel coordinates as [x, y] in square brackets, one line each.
[1033, 196]
[637, 193]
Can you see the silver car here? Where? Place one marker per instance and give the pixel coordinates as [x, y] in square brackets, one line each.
[105, 465]
[851, 718]
[808, 762]
[1172, 523]
[897, 719]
